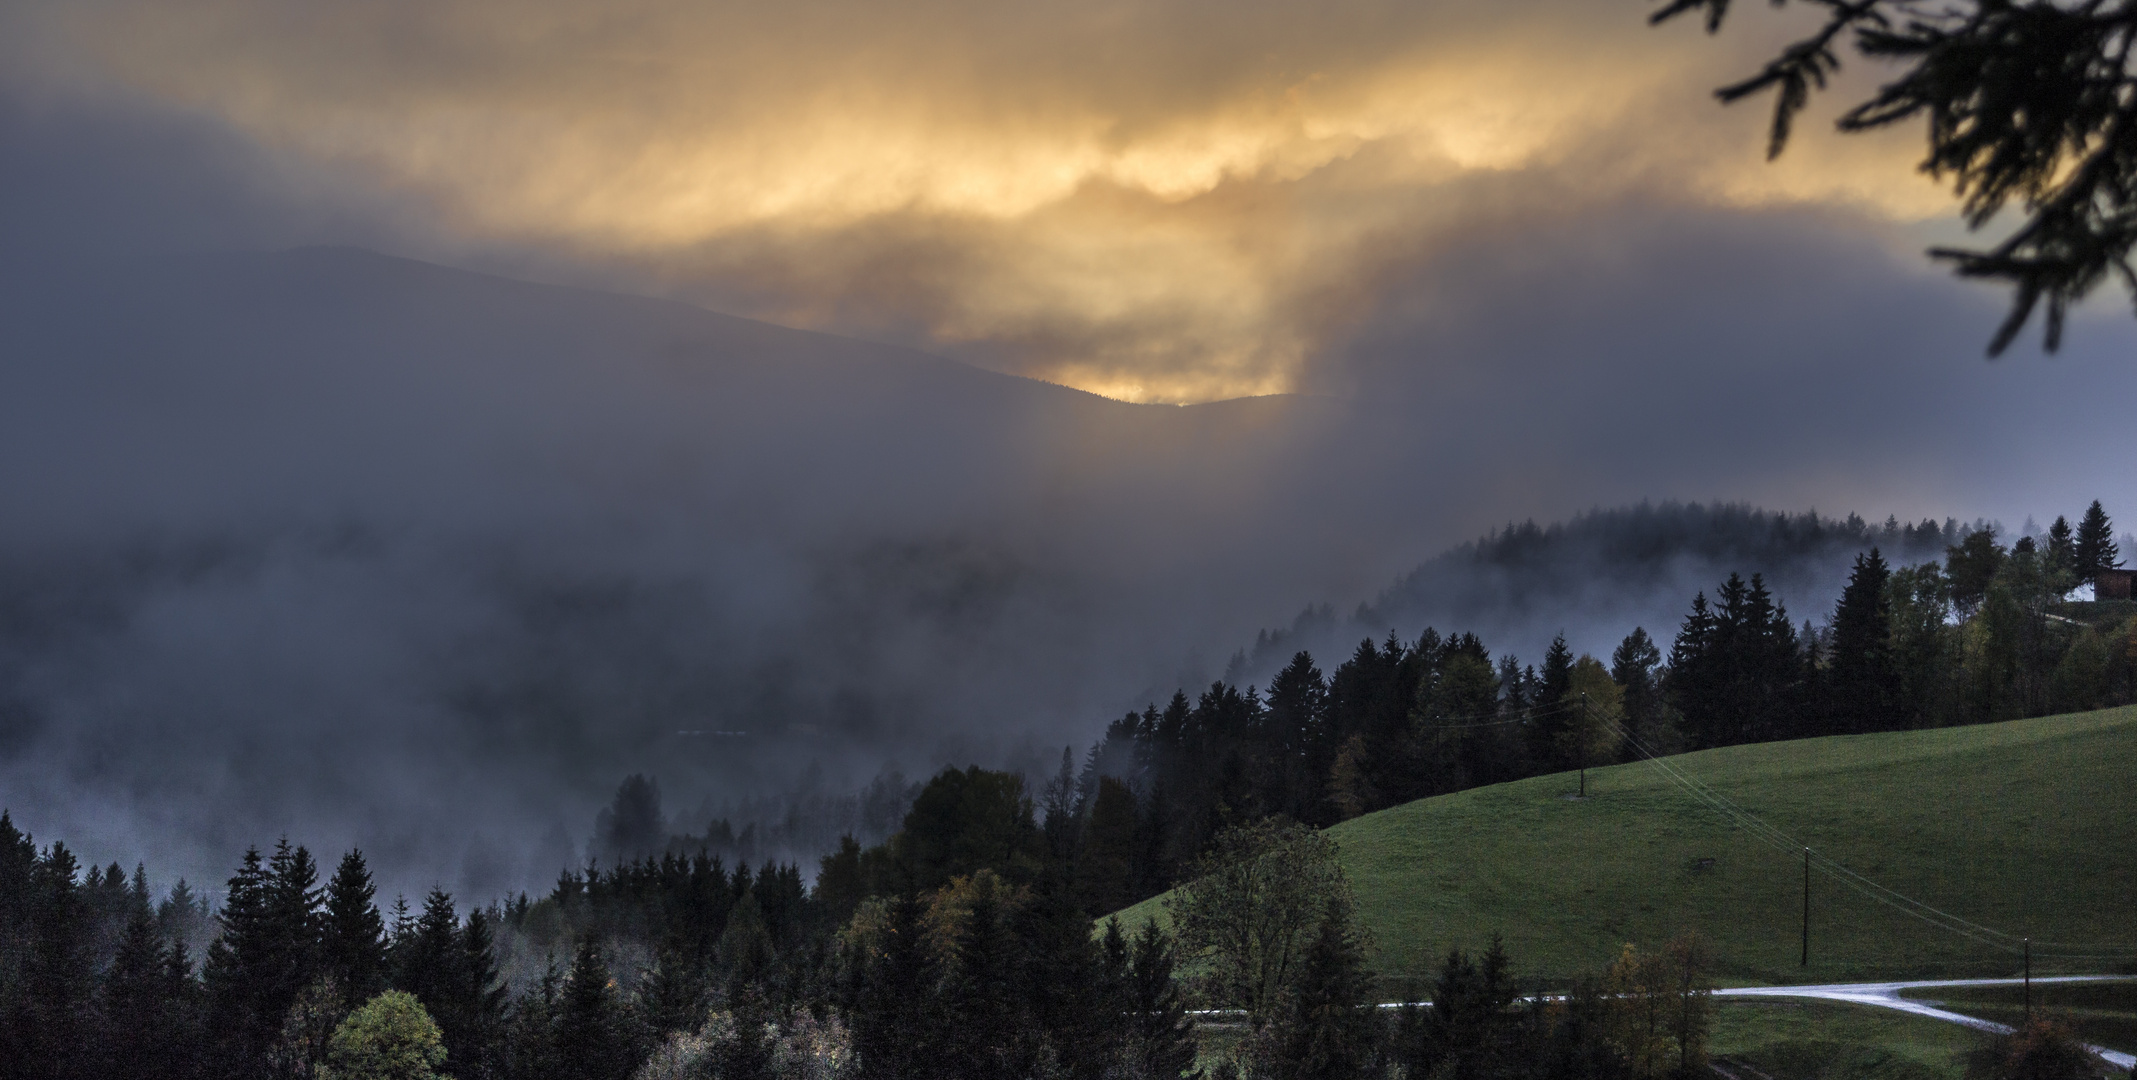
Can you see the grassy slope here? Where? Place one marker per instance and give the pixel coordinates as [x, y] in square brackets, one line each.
[2028, 826]
[1830, 1041]
[2104, 1013]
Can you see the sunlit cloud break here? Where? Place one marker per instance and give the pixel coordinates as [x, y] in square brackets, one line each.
[1159, 202]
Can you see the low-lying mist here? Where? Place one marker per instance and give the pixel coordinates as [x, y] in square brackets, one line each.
[375, 553]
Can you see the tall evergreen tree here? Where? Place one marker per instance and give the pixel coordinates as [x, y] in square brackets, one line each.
[1325, 1028]
[673, 996]
[1635, 665]
[1557, 670]
[1159, 1037]
[1105, 874]
[2062, 553]
[51, 1010]
[2095, 549]
[353, 934]
[478, 1013]
[890, 999]
[1301, 739]
[263, 957]
[452, 970]
[1472, 1025]
[1863, 677]
[588, 1030]
[146, 1029]
[1549, 729]
[1058, 978]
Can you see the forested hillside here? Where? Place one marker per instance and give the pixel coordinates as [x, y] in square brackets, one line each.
[1982, 632]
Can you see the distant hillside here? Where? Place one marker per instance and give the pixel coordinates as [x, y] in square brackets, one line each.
[288, 531]
[2021, 827]
[1602, 573]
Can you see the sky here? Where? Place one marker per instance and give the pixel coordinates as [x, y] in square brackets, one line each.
[1510, 260]
[1152, 201]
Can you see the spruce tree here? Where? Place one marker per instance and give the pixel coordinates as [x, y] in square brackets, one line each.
[1471, 1027]
[1160, 1037]
[136, 1017]
[1325, 1028]
[427, 960]
[1058, 976]
[1634, 666]
[1557, 670]
[1863, 676]
[890, 999]
[2062, 550]
[673, 996]
[2095, 549]
[353, 937]
[239, 973]
[51, 1014]
[1105, 871]
[531, 1033]
[478, 1013]
[1059, 813]
[452, 970]
[1299, 737]
[1547, 731]
[589, 1037]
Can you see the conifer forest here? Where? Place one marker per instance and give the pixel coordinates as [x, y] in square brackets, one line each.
[978, 940]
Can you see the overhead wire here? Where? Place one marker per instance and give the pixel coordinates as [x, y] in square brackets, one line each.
[1875, 891]
[1483, 720]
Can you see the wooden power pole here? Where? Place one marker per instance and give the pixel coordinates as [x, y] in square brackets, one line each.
[1581, 737]
[1806, 907]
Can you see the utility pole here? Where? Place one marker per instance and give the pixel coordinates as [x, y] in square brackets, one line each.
[1581, 737]
[1806, 907]
[2028, 942]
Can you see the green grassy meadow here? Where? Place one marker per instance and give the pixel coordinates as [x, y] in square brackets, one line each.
[1833, 1041]
[2103, 1013]
[2028, 826]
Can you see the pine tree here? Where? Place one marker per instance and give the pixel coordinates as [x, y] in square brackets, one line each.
[673, 996]
[353, 945]
[1325, 1028]
[478, 1013]
[2095, 549]
[2062, 547]
[590, 1041]
[136, 1017]
[1635, 666]
[1557, 670]
[1105, 872]
[1160, 1037]
[1057, 973]
[452, 970]
[531, 1037]
[1548, 730]
[1863, 677]
[240, 976]
[1299, 737]
[52, 1011]
[1471, 1025]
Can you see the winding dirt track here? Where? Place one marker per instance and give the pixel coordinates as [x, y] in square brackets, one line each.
[1886, 995]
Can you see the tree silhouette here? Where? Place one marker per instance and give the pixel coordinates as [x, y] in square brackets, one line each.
[2031, 102]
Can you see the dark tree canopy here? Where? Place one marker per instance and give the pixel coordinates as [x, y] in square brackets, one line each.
[2032, 102]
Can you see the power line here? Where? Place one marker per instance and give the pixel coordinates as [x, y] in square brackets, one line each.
[1891, 898]
[1482, 720]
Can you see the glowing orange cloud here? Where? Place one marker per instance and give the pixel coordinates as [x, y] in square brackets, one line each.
[1161, 201]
